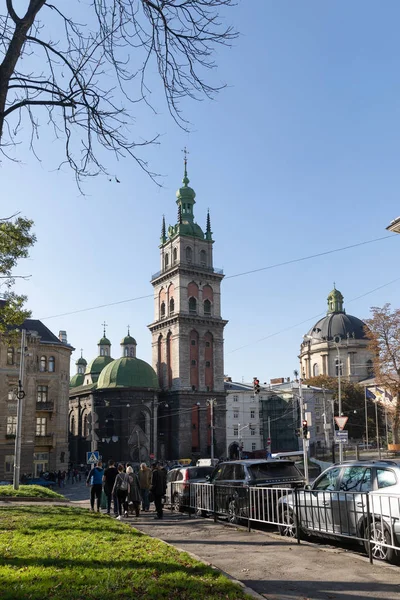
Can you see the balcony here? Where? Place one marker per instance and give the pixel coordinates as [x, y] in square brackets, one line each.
[47, 406]
[188, 264]
[10, 436]
[44, 440]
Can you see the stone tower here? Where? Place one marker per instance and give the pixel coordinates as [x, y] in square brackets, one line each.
[187, 335]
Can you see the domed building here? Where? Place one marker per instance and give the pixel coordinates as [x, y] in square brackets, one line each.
[336, 342]
[117, 398]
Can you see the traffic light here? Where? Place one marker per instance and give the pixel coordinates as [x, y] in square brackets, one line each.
[256, 385]
[305, 429]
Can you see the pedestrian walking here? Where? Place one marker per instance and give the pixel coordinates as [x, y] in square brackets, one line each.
[109, 477]
[158, 488]
[121, 490]
[144, 485]
[95, 480]
[134, 496]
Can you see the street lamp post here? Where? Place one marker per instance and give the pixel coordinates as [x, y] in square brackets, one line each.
[240, 429]
[211, 403]
[20, 397]
[336, 340]
[302, 418]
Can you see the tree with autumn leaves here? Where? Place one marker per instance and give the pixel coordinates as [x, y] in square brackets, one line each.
[383, 332]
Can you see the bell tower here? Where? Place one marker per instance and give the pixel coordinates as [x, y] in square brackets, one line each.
[187, 331]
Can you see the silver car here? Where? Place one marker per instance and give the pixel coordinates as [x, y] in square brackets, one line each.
[360, 500]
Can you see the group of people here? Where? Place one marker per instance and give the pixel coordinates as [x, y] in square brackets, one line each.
[126, 489]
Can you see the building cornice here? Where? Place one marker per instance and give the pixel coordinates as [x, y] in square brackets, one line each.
[189, 320]
[187, 269]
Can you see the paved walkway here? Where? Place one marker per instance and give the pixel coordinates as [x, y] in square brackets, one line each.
[275, 567]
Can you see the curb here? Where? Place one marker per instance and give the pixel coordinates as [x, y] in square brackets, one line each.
[29, 499]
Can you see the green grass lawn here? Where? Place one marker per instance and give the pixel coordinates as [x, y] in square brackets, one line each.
[29, 491]
[64, 553]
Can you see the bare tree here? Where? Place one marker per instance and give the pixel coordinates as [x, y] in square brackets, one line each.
[84, 78]
[383, 332]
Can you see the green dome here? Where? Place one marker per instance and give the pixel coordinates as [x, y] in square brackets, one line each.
[128, 372]
[104, 342]
[128, 341]
[191, 229]
[76, 380]
[81, 361]
[96, 366]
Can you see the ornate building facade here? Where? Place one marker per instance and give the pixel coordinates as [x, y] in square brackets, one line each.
[337, 341]
[44, 439]
[187, 335]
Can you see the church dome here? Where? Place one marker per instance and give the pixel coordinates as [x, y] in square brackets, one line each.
[337, 324]
[128, 372]
[95, 366]
[128, 341]
[81, 361]
[77, 380]
[104, 341]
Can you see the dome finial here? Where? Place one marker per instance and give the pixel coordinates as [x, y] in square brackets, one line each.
[185, 179]
[104, 328]
[335, 301]
[81, 352]
[128, 330]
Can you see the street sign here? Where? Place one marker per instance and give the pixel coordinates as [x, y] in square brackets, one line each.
[269, 441]
[92, 457]
[341, 422]
[342, 437]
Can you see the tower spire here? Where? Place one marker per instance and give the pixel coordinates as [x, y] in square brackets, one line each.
[208, 226]
[185, 179]
[163, 238]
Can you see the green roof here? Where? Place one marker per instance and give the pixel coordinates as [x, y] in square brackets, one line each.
[76, 380]
[81, 361]
[128, 372]
[96, 366]
[104, 342]
[128, 340]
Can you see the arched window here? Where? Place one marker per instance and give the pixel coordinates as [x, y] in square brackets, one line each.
[166, 261]
[84, 426]
[207, 307]
[126, 352]
[370, 368]
[203, 258]
[162, 310]
[338, 367]
[175, 254]
[105, 351]
[43, 364]
[192, 306]
[109, 425]
[142, 422]
[101, 351]
[52, 364]
[171, 306]
[188, 254]
[315, 370]
[72, 425]
[132, 353]
[10, 356]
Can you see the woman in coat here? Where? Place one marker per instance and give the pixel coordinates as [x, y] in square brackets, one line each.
[134, 497]
[121, 487]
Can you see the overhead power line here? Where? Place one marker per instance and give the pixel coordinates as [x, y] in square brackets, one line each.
[274, 266]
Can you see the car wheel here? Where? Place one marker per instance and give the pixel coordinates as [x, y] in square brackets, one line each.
[289, 526]
[233, 512]
[379, 534]
[176, 503]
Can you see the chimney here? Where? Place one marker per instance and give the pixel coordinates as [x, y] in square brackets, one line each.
[62, 336]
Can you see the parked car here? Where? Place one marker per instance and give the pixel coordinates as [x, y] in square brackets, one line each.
[336, 506]
[39, 481]
[234, 477]
[178, 484]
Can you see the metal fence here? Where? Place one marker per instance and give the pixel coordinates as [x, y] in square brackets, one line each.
[369, 518]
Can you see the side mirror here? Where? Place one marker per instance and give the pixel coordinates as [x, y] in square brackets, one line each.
[208, 477]
[307, 487]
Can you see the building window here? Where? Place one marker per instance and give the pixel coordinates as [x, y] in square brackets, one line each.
[193, 363]
[192, 306]
[105, 351]
[163, 310]
[203, 258]
[235, 431]
[207, 307]
[188, 254]
[11, 425]
[101, 351]
[126, 352]
[40, 426]
[43, 364]
[208, 363]
[52, 364]
[252, 414]
[85, 426]
[315, 370]
[132, 353]
[193, 342]
[252, 431]
[370, 368]
[236, 398]
[10, 356]
[208, 344]
[72, 425]
[9, 463]
[166, 261]
[171, 306]
[42, 393]
[175, 255]
[12, 394]
[235, 414]
[261, 432]
[253, 446]
[338, 367]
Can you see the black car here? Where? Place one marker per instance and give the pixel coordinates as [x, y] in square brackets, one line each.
[178, 485]
[233, 479]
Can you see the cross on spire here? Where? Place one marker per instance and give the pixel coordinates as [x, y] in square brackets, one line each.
[128, 330]
[104, 328]
[185, 155]
[81, 352]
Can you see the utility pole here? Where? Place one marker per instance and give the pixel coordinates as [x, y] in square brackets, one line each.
[325, 424]
[366, 418]
[336, 340]
[302, 418]
[211, 403]
[378, 444]
[20, 397]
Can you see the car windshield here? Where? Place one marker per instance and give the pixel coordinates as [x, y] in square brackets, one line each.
[274, 470]
[200, 472]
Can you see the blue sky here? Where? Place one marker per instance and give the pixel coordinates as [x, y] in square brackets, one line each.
[297, 156]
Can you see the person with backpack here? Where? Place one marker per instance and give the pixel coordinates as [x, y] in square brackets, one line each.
[95, 480]
[120, 489]
[158, 488]
[109, 477]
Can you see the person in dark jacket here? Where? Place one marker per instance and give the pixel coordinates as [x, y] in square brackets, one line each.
[121, 490]
[109, 479]
[134, 498]
[158, 488]
[95, 480]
